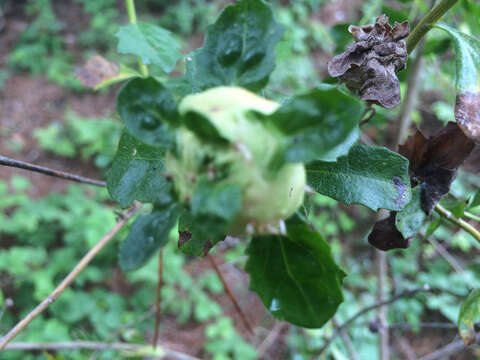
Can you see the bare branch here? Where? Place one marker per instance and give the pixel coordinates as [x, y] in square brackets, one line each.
[347, 341]
[270, 338]
[458, 221]
[50, 172]
[99, 346]
[448, 350]
[229, 292]
[158, 307]
[446, 255]
[407, 293]
[68, 279]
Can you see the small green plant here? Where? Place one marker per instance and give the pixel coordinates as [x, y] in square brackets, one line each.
[212, 156]
[87, 137]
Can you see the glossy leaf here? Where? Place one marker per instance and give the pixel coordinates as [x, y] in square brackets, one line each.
[147, 108]
[223, 200]
[410, 220]
[148, 233]
[295, 275]
[469, 314]
[238, 48]
[372, 176]
[199, 233]
[213, 208]
[136, 173]
[152, 44]
[322, 124]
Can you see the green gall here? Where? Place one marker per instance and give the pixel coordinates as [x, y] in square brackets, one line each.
[226, 139]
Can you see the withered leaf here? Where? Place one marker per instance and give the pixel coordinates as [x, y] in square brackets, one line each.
[368, 67]
[385, 235]
[434, 161]
[433, 164]
[183, 237]
[467, 114]
[96, 71]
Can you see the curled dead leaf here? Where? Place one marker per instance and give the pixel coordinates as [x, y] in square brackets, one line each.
[96, 71]
[369, 66]
[434, 161]
[183, 237]
[433, 164]
[467, 114]
[385, 235]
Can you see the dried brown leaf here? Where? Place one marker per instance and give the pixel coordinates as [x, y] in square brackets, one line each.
[467, 114]
[385, 236]
[96, 71]
[434, 161]
[369, 66]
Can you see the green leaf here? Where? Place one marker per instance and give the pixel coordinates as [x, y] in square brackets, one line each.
[136, 173]
[125, 73]
[214, 207]
[467, 55]
[152, 44]
[238, 48]
[369, 175]
[467, 102]
[456, 207]
[148, 233]
[147, 108]
[409, 221]
[295, 275]
[475, 200]
[322, 124]
[469, 313]
[434, 225]
[223, 200]
[199, 233]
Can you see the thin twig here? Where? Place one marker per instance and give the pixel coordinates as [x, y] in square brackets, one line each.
[132, 18]
[426, 23]
[411, 96]
[98, 346]
[382, 270]
[270, 338]
[446, 255]
[158, 307]
[407, 293]
[229, 292]
[448, 350]
[347, 341]
[50, 172]
[68, 279]
[403, 123]
[459, 222]
[368, 115]
[471, 216]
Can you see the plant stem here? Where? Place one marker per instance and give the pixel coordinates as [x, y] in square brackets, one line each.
[338, 330]
[99, 346]
[459, 222]
[158, 307]
[229, 292]
[47, 171]
[68, 279]
[426, 23]
[471, 216]
[132, 18]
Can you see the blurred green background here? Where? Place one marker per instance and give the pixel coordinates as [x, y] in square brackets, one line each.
[46, 225]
